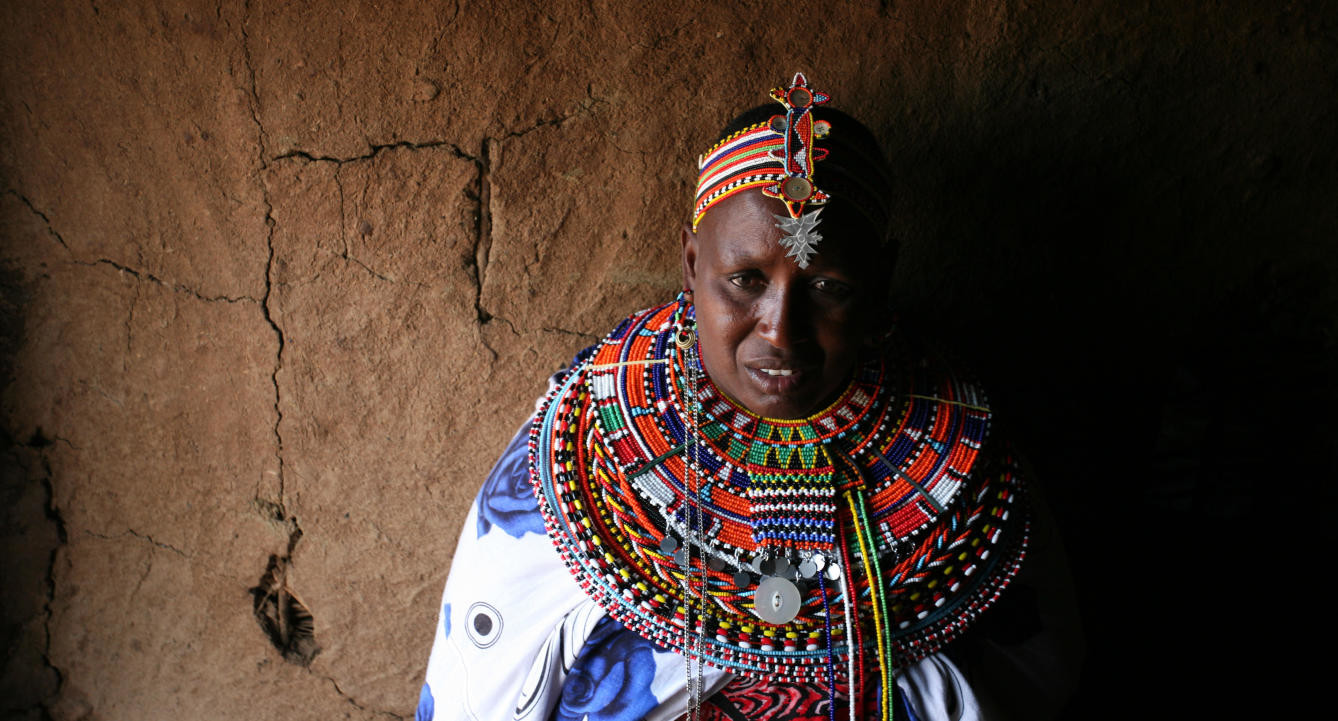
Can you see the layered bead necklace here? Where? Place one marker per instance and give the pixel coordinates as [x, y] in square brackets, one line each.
[853, 542]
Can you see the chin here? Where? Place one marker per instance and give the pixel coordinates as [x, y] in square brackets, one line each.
[783, 408]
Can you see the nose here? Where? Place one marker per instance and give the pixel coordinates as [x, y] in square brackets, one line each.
[782, 321]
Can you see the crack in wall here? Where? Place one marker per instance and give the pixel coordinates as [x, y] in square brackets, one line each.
[39, 444]
[281, 615]
[175, 287]
[354, 703]
[130, 331]
[343, 233]
[62, 534]
[138, 274]
[482, 228]
[568, 331]
[141, 536]
[375, 150]
[50, 229]
[262, 141]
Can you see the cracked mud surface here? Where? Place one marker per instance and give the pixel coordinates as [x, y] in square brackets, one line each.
[278, 282]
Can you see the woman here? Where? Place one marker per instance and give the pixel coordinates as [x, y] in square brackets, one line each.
[752, 502]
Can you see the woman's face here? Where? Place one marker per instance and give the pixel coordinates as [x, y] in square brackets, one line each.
[779, 339]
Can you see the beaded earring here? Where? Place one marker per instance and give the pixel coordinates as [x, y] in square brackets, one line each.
[685, 322]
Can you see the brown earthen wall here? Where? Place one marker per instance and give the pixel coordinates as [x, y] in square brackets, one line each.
[280, 279]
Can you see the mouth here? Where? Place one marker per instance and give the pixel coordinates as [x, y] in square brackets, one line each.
[778, 379]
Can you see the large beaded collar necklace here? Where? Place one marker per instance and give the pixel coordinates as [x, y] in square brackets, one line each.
[853, 542]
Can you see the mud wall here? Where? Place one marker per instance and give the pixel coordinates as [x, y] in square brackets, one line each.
[279, 280]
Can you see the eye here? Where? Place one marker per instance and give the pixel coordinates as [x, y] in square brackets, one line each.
[834, 288]
[745, 279]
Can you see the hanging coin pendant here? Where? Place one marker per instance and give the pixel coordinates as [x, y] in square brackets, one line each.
[776, 600]
[668, 544]
[833, 572]
[782, 567]
[808, 569]
[743, 579]
[715, 563]
[796, 188]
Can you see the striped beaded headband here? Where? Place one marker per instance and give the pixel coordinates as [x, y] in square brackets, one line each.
[778, 155]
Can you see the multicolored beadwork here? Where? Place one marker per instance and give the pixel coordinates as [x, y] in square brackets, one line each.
[776, 155]
[797, 189]
[896, 462]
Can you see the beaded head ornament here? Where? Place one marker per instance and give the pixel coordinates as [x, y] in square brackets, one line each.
[779, 156]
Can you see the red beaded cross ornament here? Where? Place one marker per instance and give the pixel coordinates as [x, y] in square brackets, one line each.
[777, 156]
[799, 153]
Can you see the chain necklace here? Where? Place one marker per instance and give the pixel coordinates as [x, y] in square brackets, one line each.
[693, 643]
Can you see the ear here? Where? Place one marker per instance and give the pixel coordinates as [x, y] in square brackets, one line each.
[689, 257]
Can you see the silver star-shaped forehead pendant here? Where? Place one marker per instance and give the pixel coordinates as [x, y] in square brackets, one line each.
[801, 238]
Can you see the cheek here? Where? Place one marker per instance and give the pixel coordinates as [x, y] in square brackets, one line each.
[842, 336]
[722, 327]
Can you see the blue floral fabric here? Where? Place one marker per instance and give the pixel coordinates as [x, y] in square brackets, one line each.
[425, 705]
[611, 678]
[507, 499]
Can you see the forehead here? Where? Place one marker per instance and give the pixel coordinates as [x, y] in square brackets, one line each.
[742, 228]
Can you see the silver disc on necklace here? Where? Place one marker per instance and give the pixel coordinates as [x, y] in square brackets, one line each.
[715, 563]
[668, 544]
[743, 579]
[833, 572]
[808, 569]
[782, 566]
[776, 600]
[681, 557]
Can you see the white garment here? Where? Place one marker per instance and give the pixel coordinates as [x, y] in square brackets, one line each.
[514, 621]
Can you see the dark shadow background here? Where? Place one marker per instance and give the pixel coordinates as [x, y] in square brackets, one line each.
[1144, 274]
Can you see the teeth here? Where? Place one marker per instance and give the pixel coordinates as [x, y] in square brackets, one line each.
[778, 371]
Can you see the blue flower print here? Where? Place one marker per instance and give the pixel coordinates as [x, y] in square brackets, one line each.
[426, 706]
[507, 498]
[610, 680]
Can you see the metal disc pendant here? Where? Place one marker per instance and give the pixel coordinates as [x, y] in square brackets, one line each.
[668, 545]
[776, 600]
[808, 569]
[833, 572]
[796, 188]
[743, 579]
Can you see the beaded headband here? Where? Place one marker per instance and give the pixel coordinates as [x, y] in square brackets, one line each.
[777, 155]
